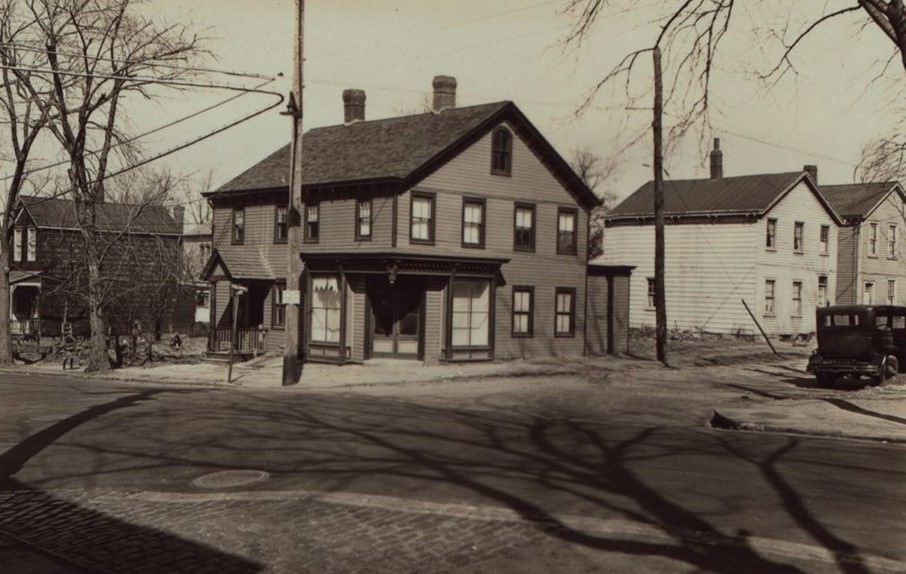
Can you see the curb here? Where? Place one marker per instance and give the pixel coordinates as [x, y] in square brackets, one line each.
[719, 421]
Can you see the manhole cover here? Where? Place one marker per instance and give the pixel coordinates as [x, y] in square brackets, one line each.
[230, 478]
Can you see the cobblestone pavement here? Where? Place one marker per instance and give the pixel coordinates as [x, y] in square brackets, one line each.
[312, 532]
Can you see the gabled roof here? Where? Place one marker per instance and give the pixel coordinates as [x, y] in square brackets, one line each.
[399, 151]
[239, 262]
[859, 200]
[746, 195]
[60, 213]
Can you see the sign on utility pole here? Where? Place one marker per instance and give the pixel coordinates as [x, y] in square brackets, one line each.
[294, 223]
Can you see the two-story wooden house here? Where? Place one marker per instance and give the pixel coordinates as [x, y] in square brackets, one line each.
[870, 256]
[140, 268]
[457, 234]
[769, 240]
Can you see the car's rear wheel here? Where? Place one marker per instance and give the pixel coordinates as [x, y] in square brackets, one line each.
[891, 367]
[825, 379]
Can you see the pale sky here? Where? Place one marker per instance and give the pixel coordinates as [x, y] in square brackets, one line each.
[513, 50]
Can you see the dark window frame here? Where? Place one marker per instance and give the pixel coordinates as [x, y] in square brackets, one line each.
[359, 236]
[237, 234]
[571, 291]
[799, 237]
[432, 221]
[278, 288]
[312, 229]
[574, 249]
[474, 201]
[651, 292]
[530, 313]
[824, 239]
[278, 236]
[517, 245]
[770, 241]
[502, 152]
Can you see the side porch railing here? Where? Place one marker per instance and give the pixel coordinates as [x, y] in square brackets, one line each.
[248, 340]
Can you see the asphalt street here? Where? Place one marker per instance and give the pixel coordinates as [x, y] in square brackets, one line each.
[565, 474]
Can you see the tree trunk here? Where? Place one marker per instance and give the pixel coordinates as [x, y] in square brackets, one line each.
[6, 351]
[97, 354]
[659, 289]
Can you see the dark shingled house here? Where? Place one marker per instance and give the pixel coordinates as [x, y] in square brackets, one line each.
[458, 234]
[140, 268]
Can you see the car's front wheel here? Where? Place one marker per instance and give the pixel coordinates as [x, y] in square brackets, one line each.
[825, 379]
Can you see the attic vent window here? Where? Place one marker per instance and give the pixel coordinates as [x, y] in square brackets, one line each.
[501, 152]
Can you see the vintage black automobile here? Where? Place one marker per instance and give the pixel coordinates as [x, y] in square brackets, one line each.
[859, 341]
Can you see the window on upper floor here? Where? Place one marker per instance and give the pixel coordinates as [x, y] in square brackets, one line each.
[238, 225]
[770, 241]
[523, 311]
[202, 299]
[798, 233]
[524, 227]
[473, 222]
[25, 243]
[363, 219]
[891, 291]
[565, 312]
[892, 241]
[421, 217]
[312, 222]
[281, 229]
[501, 152]
[824, 239]
[872, 239]
[567, 219]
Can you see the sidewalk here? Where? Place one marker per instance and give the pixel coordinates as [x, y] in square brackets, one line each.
[872, 413]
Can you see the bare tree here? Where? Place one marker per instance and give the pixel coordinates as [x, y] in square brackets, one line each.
[595, 172]
[98, 54]
[24, 122]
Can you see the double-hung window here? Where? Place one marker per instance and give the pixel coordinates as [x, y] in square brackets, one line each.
[421, 217]
[769, 294]
[872, 239]
[891, 291]
[822, 290]
[363, 219]
[471, 313]
[278, 309]
[524, 227]
[473, 211]
[238, 225]
[770, 241]
[523, 311]
[567, 219]
[797, 299]
[325, 309]
[892, 241]
[281, 231]
[501, 152]
[312, 222]
[798, 233]
[565, 312]
[17, 243]
[652, 301]
[824, 239]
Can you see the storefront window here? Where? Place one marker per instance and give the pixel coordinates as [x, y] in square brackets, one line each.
[471, 313]
[325, 310]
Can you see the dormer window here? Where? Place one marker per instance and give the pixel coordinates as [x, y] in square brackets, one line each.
[238, 225]
[501, 152]
[25, 244]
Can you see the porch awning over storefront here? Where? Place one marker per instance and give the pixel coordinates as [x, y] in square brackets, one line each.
[403, 264]
[243, 262]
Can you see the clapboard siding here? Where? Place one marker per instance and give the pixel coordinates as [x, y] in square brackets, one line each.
[709, 269]
[882, 268]
[848, 265]
[338, 221]
[785, 266]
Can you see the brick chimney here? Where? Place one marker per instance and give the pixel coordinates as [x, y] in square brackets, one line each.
[444, 93]
[353, 106]
[812, 170]
[179, 216]
[717, 161]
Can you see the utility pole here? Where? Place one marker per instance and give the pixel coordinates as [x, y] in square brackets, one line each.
[292, 294]
[660, 307]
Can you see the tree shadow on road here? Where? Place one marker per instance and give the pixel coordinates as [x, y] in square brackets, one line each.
[93, 541]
